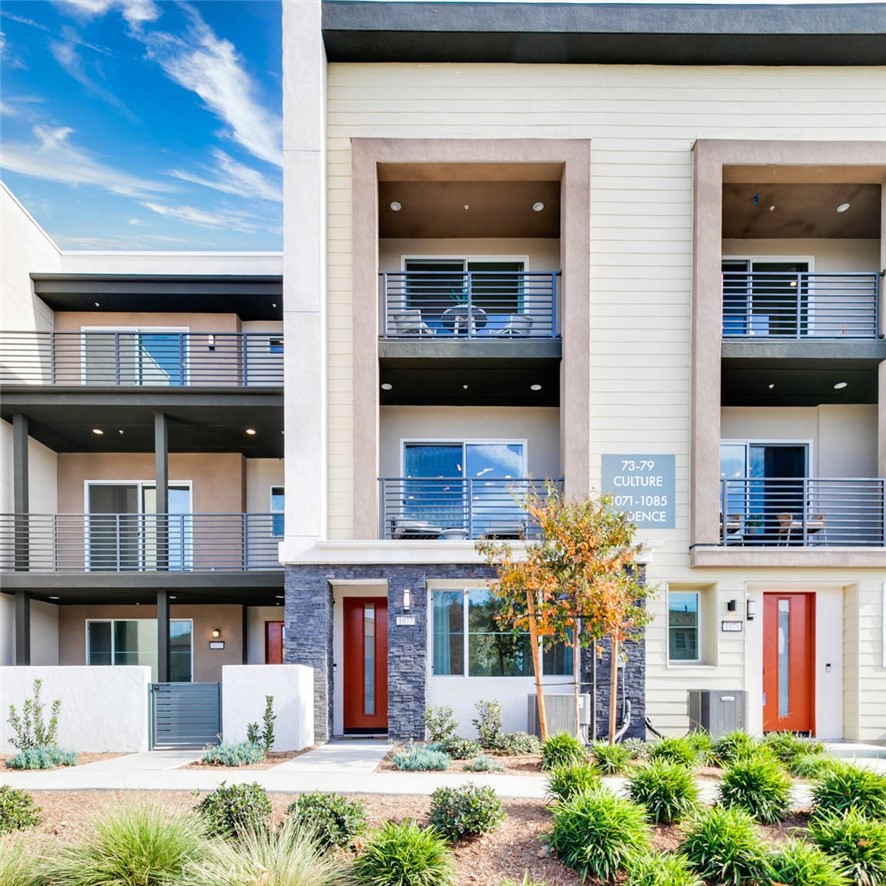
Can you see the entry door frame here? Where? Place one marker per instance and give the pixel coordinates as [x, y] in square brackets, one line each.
[353, 668]
[770, 612]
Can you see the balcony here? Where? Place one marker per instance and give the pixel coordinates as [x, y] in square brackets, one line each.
[139, 543]
[802, 512]
[456, 508]
[801, 305]
[142, 359]
[461, 305]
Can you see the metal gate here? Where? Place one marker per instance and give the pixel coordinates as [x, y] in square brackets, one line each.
[185, 715]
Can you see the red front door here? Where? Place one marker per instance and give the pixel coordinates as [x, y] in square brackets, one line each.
[789, 663]
[273, 642]
[366, 664]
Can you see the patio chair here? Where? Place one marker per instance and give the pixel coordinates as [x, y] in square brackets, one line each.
[787, 526]
[505, 530]
[404, 528]
[408, 322]
[516, 325]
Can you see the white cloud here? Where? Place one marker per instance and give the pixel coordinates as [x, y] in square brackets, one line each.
[136, 12]
[65, 53]
[231, 177]
[22, 20]
[212, 68]
[52, 157]
[220, 219]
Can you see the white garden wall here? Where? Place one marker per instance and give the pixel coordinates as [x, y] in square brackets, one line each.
[103, 708]
[244, 688]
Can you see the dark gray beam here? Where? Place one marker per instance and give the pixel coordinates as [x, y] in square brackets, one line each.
[507, 350]
[847, 350]
[20, 463]
[22, 629]
[161, 474]
[162, 637]
[68, 583]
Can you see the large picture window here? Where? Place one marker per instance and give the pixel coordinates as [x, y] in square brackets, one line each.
[134, 642]
[468, 641]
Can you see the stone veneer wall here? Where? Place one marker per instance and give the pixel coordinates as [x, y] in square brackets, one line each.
[309, 615]
[631, 684]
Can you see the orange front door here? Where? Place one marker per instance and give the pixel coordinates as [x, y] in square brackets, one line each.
[273, 642]
[789, 663]
[366, 664]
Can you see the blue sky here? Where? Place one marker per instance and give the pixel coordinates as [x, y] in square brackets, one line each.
[138, 124]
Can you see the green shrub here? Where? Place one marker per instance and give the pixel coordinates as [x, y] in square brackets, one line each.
[334, 820]
[811, 765]
[133, 845]
[231, 810]
[458, 748]
[797, 863]
[564, 782]
[759, 785]
[31, 731]
[483, 764]
[22, 861]
[405, 855]
[844, 786]
[733, 745]
[636, 747]
[856, 843]
[263, 737]
[703, 746]
[660, 870]
[666, 790]
[417, 758]
[562, 749]
[290, 857]
[514, 743]
[786, 745]
[675, 750]
[243, 753]
[440, 723]
[18, 811]
[597, 832]
[722, 846]
[488, 723]
[41, 758]
[611, 759]
[466, 811]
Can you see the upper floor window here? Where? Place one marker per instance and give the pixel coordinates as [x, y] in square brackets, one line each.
[278, 506]
[135, 356]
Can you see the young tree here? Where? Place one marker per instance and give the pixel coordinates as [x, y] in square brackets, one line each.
[576, 584]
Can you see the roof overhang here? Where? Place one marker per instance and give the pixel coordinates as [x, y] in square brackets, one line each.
[610, 33]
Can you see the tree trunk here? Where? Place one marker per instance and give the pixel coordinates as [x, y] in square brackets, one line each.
[613, 688]
[536, 667]
[576, 674]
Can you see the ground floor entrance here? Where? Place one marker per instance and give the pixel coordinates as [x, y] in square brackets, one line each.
[365, 665]
[789, 662]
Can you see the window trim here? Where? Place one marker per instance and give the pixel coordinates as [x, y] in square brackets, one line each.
[699, 624]
[88, 621]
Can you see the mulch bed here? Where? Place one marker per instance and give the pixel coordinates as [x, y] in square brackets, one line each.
[274, 758]
[82, 760]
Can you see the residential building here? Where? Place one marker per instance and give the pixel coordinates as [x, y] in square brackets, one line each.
[142, 422]
[619, 247]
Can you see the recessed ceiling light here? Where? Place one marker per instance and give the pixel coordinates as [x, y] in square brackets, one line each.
[771, 387]
[97, 431]
[772, 208]
[537, 207]
[172, 598]
[395, 206]
[843, 207]
[465, 387]
[251, 431]
[119, 430]
[840, 385]
[535, 387]
[467, 206]
[273, 304]
[97, 304]
[279, 596]
[386, 386]
[53, 598]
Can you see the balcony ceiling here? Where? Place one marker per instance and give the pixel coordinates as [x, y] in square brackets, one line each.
[500, 208]
[801, 210]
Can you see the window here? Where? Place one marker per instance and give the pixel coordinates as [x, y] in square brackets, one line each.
[684, 626]
[278, 506]
[467, 641]
[765, 297]
[134, 642]
[275, 345]
[132, 356]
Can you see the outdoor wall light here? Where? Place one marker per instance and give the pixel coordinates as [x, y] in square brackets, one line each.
[751, 609]
[216, 633]
[732, 605]
[407, 599]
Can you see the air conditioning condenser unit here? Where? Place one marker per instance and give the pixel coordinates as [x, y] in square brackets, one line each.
[560, 712]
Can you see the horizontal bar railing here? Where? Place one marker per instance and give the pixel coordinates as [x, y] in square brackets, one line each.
[142, 359]
[469, 304]
[456, 507]
[139, 542]
[810, 511]
[786, 304]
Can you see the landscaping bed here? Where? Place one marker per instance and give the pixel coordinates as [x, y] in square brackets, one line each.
[273, 758]
[82, 759]
[519, 764]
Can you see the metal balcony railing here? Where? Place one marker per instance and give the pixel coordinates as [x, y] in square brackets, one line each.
[456, 507]
[469, 304]
[139, 542]
[803, 512]
[144, 358]
[782, 304]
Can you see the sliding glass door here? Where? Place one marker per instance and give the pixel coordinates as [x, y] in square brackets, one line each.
[134, 357]
[765, 298]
